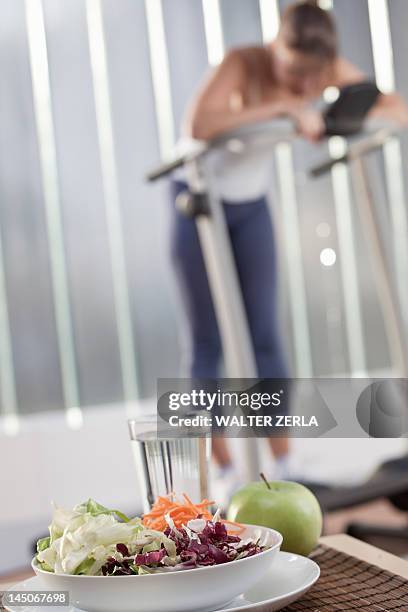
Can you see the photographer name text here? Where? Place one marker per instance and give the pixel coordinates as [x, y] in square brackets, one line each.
[251, 420]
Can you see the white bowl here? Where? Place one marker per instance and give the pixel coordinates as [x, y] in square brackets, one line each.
[193, 590]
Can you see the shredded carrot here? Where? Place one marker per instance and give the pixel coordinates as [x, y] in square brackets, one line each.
[181, 512]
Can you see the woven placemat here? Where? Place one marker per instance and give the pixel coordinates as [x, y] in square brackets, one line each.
[346, 584]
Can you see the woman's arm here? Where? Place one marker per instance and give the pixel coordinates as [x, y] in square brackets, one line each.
[392, 107]
[213, 111]
[388, 106]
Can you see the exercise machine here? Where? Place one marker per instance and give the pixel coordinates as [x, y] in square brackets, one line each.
[202, 202]
[346, 115]
[390, 480]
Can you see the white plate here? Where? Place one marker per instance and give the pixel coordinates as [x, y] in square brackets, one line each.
[285, 582]
[290, 577]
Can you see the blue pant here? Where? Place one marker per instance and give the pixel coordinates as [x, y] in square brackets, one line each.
[252, 240]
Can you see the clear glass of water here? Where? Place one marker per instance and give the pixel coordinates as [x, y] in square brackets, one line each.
[166, 465]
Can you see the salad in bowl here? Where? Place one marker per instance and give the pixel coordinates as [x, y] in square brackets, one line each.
[178, 557]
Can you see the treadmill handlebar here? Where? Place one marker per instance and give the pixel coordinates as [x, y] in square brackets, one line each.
[373, 136]
[276, 131]
[165, 169]
[362, 144]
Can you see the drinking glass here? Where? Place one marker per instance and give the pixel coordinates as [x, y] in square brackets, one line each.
[167, 465]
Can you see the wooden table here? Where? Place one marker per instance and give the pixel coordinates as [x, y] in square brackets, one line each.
[367, 553]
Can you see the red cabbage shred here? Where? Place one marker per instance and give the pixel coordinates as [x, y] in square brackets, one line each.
[212, 546]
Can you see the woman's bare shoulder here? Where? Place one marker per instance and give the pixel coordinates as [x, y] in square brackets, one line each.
[253, 60]
[257, 53]
[345, 73]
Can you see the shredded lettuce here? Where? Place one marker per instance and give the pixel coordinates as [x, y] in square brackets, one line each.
[83, 538]
[92, 507]
[85, 567]
[43, 543]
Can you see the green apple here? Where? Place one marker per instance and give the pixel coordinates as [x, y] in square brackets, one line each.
[288, 507]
